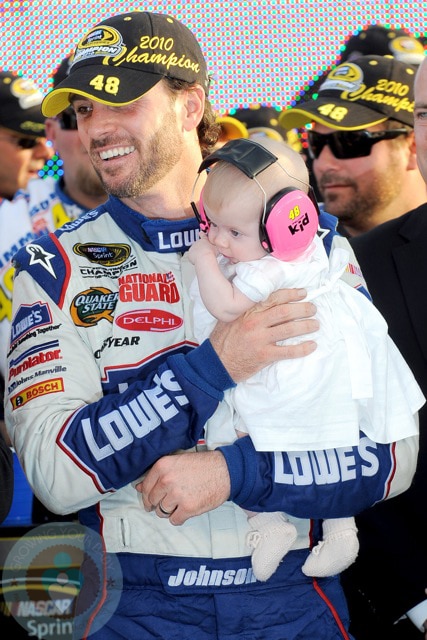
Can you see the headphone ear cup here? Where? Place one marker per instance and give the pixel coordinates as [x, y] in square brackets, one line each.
[289, 225]
[201, 215]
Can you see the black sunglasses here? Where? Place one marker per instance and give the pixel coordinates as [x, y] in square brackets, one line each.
[67, 120]
[349, 144]
[24, 143]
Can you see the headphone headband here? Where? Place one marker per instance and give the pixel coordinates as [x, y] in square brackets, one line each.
[289, 221]
[247, 155]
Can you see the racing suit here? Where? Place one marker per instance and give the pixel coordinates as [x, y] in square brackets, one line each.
[105, 377]
[40, 208]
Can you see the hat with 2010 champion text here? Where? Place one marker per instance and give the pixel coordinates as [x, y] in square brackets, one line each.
[123, 57]
[358, 94]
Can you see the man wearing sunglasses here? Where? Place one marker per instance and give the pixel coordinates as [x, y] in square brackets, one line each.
[23, 150]
[386, 587]
[23, 153]
[33, 206]
[40, 205]
[365, 136]
[360, 141]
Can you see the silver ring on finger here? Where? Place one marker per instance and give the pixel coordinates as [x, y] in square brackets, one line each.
[163, 510]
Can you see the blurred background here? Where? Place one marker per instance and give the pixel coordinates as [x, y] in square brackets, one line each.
[258, 52]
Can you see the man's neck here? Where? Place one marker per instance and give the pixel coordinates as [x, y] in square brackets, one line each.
[82, 199]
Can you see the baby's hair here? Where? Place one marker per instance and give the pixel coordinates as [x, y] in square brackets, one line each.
[289, 171]
[290, 162]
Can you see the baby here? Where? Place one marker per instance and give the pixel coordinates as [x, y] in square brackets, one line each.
[259, 233]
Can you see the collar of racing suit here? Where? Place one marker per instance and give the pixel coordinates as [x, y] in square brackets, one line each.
[160, 235]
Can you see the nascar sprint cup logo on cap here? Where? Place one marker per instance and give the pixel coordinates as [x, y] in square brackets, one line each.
[100, 41]
[122, 58]
[163, 50]
[346, 77]
[26, 92]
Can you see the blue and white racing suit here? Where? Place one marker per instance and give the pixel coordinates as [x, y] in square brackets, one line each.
[105, 377]
[42, 207]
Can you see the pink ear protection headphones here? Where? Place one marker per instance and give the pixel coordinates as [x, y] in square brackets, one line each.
[289, 221]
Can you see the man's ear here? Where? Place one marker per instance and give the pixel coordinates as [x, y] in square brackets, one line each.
[49, 127]
[412, 160]
[194, 107]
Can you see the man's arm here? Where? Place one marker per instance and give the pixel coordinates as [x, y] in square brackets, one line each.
[67, 433]
[319, 484]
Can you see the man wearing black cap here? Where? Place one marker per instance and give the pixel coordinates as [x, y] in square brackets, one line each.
[41, 204]
[361, 142]
[23, 150]
[112, 290]
[23, 153]
[373, 39]
[387, 584]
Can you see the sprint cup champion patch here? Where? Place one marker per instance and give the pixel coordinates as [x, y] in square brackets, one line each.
[56, 577]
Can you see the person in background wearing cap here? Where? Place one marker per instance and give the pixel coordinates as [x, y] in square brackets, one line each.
[262, 121]
[112, 289]
[41, 205]
[361, 142]
[387, 586]
[373, 39]
[79, 189]
[23, 149]
[23, 153]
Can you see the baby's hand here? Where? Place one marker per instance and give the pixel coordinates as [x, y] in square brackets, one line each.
[201, 249]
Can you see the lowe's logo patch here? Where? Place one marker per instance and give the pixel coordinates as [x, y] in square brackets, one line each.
[27, 318]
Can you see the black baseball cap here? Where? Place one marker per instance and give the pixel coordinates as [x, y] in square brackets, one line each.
[20, 101]
[260, 119]
[372, 40]
[123, 57]
[359, 94]
[377, 39]
[62, 71]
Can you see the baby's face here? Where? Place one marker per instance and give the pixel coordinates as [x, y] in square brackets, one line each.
[234, 223]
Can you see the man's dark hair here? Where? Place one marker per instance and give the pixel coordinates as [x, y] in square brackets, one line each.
[395, 124]
[208, 130]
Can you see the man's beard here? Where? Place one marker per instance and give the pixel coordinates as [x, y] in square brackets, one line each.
[161, 153]
[362, 204]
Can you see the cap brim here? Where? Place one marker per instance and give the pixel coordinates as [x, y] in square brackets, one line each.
[232, 127]
[133, 85]
[356, 116]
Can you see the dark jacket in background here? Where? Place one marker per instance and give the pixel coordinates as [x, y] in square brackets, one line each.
[390, 574]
